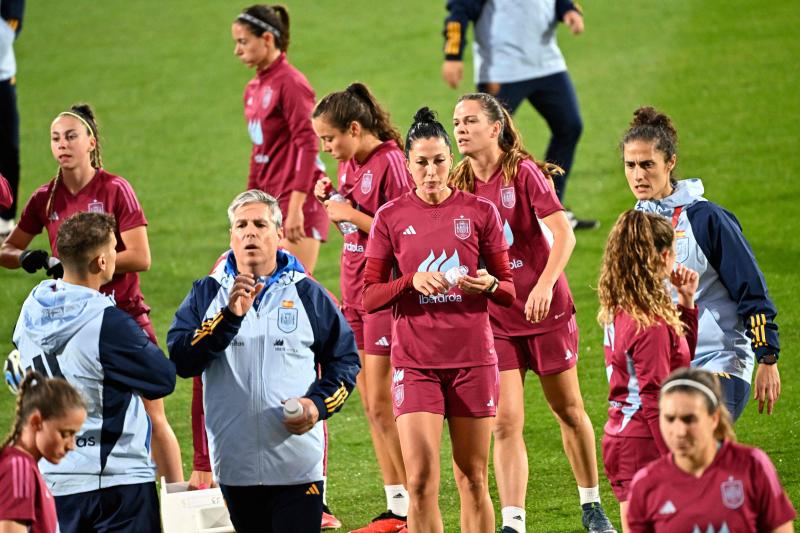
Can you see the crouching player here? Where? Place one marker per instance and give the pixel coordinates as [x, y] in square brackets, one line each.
[68, 329]
[257, 329]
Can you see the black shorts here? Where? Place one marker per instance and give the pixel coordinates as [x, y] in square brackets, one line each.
[124, 508]
[275, 508]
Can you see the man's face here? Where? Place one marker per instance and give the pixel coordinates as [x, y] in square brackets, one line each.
[254, 239]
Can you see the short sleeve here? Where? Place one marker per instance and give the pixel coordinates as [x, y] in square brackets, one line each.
[397, 180]
[379, 245]
[774, 507]
[541, 195]
[17, 499]
[492, 238]
[32, 220]
[127, 209]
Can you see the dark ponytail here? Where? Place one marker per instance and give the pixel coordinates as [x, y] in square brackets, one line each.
[52, 397]
[425, 126]
[261, 18]
[650, 125]
[357, 104]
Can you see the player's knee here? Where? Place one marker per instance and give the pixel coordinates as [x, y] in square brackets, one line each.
[419, 485]
[472, 480]
[570, 415]
[507, 427]
[383, 419]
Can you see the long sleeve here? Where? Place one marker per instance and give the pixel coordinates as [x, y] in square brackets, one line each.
[563, 6]
[201, 460]
[298, 103]
[720, 237]
[334, 348]
[498, 266]
[689, 319]
[651, 355]
[130, 360]
[193, 342]
[460, 13]
[379, 292]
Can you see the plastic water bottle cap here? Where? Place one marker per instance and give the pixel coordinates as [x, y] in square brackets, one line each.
[292, 408]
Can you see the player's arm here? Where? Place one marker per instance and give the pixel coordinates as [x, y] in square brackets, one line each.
[460, 13]
[12, 248]
[129, 358]
[16, 511]
[720, 237]
[334, 349]
[136, 256]
[12, 526]
[571, 14]
[194, 342]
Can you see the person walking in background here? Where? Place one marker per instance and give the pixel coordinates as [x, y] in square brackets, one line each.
[278, 101]
[539, 331]
[707, 482]
[50, 412]
[261, 332]
[445, 366]
[516, 57]
[646, 337]
[67, 328]
[737, 326]
[11, 13]
[357, 132]
[83, 185]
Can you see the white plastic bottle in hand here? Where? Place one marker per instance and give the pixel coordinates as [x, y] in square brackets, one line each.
[292, 408]
[344, 226]
[454, 274]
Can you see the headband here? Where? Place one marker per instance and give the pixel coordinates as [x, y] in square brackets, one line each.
[70, 113]
[691, 384]
[266, 26]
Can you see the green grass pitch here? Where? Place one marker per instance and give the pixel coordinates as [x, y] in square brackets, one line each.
[167, 90]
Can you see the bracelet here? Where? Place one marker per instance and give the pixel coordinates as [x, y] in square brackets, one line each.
[493, 287]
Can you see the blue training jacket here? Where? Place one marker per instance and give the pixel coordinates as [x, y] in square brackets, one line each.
[76, 333]
[736, 316]
[293, 342]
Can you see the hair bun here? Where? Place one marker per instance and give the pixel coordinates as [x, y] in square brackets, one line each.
[649, 116]
[85, 110]
[425, 114]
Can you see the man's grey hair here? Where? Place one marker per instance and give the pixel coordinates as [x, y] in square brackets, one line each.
[254, 196]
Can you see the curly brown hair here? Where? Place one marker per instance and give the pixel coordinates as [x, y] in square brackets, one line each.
[510, 141]
[631, 277]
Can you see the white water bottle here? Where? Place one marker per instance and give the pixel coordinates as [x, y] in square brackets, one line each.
[344, 226]
[292, 408]
[454, 274]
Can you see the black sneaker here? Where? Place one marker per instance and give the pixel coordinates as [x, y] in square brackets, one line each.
[582, 223]
[507, 529]
[595, 520]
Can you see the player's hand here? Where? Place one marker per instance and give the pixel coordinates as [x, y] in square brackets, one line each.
[685, 281]
[304, 423]
[767, 387]
[338, 211]
[538, 304]
[33, 260]
[478, 284]
[574, 20]
[452, 72]
[323, 188]
[293, 226]
[243, 294]
[430, 283]
[201, 480]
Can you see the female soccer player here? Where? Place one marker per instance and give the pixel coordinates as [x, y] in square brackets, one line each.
[49, 414]
[277, 106]
[707, 482]
[646, 338]
[539, 331]
[357, 132]
[446, 365]
[737, 325]
[82, 184]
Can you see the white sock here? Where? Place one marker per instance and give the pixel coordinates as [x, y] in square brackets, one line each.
[514, 517]
[589, 495]
[396, 499]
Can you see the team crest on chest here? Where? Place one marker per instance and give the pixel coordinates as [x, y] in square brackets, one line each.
[462, 227]
[732, 493]
[287, 316]
[366, 182]
[267, 98]
[96, 207]
[507, 197]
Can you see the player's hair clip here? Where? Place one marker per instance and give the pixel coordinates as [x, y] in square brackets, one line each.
[266, 26]
[693, 385]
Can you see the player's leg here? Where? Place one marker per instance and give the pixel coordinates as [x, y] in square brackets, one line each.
[622, 458]
[555, 99]
[510, 454]
[510, 95]
[78, 512]
[165, 450]
[297, 508]
[471, 439]
[306, 251]
[9, 150]
[251, 509]
[129, 509]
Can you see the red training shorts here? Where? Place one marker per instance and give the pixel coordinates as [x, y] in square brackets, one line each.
[469, 392]
[373, 331]
[546, 354]
[623, 457]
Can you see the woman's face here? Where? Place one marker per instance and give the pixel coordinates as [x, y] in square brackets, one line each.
[472, 129]
[56, 436]
[251, 50]
[342, 145]
[429, 161]
[647, 172]
[71, 143]
[686, 426]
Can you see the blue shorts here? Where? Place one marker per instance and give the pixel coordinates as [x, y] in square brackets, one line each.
[124, 508]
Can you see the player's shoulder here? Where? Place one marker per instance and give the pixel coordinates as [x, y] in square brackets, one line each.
[652, 473]
[395, 206]
[42, 192]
